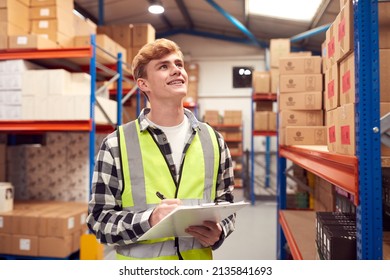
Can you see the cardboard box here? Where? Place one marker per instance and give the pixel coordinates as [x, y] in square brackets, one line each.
[17, 14]
[332, 45]
[345, 31]
[301, 118]
[103, 41]
[83, 27]
[300, 65]
[301, 83]
[55, 247]
[384, 108]
[384, 25]
[5, 244]
[346, 128]
[8, 3]
[274, 73]
[52, 12]
[272, 121]
[305, 135]
[300, 101]
[143, 34]
[384, 70]
[261, 82]
[24, 245]
[264, 105]
[331, 129]
[9, 29]
[347, 79]
[211, 117]
[232, 117]
[52, 27]
[3, 42]
[278, 48]
[31, 42]
[261, 121]
[331, 93]
[65, 4]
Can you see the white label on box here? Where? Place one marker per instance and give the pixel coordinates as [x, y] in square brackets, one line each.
[24, 244]
[71, 222]
[1, 222]
[22, 40]
[43, 24]
[83, 218]
[44, 12]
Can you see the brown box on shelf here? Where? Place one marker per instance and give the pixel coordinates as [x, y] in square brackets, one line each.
[9, 29]
[272, 121]
[3, 42]
[233, 135]
[67, 4]
[51, 12]
[261, 121]
[347, 79]
[211, 117]
[192, 92]
[332, 45]
[305, 135]
[5, 244]
[331, 130]
[301, 118]
[102, 41]
[143, 34]
[274, 73]
[17, 13]
[300, 101]
[384, 70]
[232, 117]
[384, 108]
[346, 128]
[300, 65]
[345, 31]
[31, 41]
[331, 90]
[55, 247]
[83, 27]
[261, 82]
[53, 26]
[300, 82]
[279, 48]
[25, 245]
[384, 24]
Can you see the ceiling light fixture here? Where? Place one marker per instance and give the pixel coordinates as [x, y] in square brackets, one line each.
[156, 7]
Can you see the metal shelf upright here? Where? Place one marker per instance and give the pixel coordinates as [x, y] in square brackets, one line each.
[360, 175]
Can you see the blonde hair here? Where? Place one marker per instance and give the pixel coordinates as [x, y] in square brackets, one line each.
[154, 50]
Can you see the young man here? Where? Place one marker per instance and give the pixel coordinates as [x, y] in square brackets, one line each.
[165, 150]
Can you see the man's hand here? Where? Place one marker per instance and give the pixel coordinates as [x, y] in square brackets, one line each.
[207, 234]
[164, 208]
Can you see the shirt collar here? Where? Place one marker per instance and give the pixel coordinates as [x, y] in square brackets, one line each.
[144, 124]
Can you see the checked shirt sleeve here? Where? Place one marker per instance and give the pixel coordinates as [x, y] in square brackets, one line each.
[110, 223]
[225, 187]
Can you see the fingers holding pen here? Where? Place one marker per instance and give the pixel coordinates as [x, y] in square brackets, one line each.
[165, 207]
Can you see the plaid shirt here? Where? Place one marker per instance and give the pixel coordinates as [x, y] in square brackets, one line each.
[113, 225]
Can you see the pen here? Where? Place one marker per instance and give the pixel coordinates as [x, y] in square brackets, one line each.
[160, 195]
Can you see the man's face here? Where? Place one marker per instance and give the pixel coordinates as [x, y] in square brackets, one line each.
[166, 77]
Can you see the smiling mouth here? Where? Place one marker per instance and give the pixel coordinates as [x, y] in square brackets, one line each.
[176, 82]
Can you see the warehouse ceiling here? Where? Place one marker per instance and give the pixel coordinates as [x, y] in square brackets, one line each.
[214, 19]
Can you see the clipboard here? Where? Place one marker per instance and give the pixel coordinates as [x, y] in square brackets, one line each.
[175, 223]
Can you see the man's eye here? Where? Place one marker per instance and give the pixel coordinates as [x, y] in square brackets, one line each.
[180, 65]
[163, 66]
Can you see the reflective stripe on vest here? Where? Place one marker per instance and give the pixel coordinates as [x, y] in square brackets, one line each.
[145, 168]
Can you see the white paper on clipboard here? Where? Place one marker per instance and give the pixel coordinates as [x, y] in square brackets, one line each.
[184, 216]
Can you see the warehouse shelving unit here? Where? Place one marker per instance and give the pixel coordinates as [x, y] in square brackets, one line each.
[267, 135]
[359, 175]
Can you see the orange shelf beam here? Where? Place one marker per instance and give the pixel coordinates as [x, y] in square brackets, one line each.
[264, 133]
[341, 170]
[264, 96]
[47, 53]
[42, 126]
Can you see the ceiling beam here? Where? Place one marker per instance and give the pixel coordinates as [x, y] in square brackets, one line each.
[85, 13]
[235, 22]
[186, 15]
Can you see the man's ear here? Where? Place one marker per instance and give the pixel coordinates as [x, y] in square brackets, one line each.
[143, 84]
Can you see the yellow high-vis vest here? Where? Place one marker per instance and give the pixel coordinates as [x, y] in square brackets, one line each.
[145, 171]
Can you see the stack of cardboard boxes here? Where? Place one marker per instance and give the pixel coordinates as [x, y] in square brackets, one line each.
[340, 84]
[192, 70]
[300, 101]
[46, 229]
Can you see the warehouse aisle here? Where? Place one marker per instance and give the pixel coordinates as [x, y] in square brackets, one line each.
[255, 234]
[254, 237]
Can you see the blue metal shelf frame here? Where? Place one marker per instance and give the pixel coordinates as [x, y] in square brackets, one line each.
[367, 125]
[368, 150]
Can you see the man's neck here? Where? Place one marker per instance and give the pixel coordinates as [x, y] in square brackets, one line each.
[166, 115]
